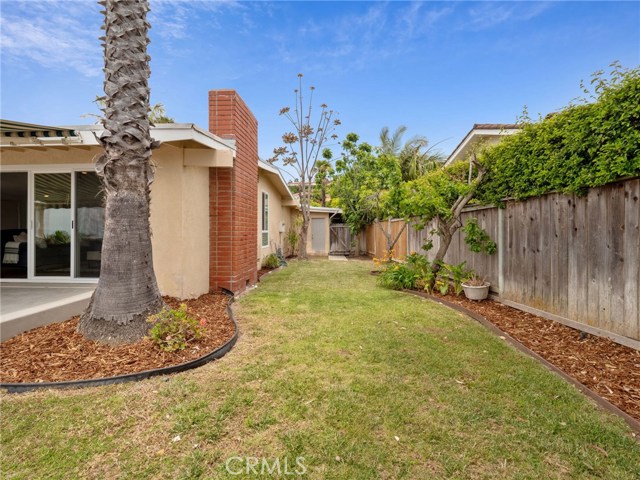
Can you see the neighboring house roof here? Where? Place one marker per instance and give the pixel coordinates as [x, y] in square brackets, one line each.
[481, 131]
[273, 173]
[203, 148]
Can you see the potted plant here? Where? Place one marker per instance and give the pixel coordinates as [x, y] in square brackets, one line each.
[476, 288]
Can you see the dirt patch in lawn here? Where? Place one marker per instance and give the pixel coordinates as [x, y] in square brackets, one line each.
[609, 369]
[264, 271]
[57, 352]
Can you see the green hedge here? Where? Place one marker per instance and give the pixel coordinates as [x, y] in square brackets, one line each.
[585, 145]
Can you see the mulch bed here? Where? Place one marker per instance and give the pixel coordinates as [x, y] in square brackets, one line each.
[56, 352]
[608, 368]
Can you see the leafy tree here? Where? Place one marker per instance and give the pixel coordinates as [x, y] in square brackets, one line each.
[368, 187]
[303, 148]
[441, 195]
[127, 291]
[584, 145]
[414, 156]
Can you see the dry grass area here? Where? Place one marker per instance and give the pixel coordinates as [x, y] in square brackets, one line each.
[357, 381]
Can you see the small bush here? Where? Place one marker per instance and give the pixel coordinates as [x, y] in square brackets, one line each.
[271, 261]
[398, 276]
[453, 275]
[416, 273]
[174, 329]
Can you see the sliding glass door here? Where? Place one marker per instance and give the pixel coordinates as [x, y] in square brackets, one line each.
[89, 224]
[52, 224]
[14, 215]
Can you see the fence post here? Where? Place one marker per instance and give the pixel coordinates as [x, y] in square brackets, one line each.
[501, 243]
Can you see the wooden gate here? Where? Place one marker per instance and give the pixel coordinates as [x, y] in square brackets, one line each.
[340, 239]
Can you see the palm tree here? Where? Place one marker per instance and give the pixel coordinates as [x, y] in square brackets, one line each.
[415, 156]
[127, 291]
[323, 171]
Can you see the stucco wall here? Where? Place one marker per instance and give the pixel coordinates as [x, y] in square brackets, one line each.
[180, 225]
[50, 156]
[277, 213]
[179, 213]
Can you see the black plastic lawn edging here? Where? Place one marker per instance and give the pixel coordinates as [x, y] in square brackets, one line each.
[602, 402]
[133, 377]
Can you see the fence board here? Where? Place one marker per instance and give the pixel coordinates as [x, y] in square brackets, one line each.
[631, 260]
[615, 259]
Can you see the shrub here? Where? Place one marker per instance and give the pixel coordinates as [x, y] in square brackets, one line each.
[271, 261]
[174, 329]
[582, 146]
[398, 276]
[478, 239]
[453, 275]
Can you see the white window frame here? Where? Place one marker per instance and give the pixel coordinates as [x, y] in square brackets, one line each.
[264, 220]
[32, 170]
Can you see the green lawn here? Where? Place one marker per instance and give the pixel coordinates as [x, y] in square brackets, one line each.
[362, 382]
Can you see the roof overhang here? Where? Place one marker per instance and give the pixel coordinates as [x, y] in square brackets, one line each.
[274, 174]
[480, 131]
[201, 148]
[329, 210]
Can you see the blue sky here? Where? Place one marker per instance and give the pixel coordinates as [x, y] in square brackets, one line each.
[436, 67]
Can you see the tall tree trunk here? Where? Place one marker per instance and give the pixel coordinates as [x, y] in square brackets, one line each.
[446, 231]
[304, 233]
[127, 291]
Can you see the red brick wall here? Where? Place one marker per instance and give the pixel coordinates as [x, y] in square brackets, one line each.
[233, 194]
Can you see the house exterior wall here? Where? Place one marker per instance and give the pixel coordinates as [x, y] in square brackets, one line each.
[50, 156]
[233, 193]
[179, 213]
[180, 225]
[277, 213]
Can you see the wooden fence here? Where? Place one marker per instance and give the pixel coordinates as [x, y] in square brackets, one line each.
[339, 239]
[374, 242]
[570, 258]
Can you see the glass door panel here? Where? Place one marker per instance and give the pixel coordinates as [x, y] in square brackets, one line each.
[52, 224]
[14, 204]
[89, 224]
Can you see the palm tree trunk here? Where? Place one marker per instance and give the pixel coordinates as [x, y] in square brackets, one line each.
[127, 291]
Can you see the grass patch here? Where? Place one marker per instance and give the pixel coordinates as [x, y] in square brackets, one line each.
[360, 381]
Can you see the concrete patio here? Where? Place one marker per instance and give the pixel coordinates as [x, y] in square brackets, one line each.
[24, 306]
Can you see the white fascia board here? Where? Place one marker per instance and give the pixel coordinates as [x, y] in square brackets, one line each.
[275, 173]
[176, 132]
[164, 132]
[325, 210]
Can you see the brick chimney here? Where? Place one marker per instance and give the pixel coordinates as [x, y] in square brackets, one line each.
[233, 195]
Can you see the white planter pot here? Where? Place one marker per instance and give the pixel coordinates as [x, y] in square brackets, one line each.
[476, 293]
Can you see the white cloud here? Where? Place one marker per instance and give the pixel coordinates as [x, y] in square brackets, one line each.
[488, 15]
[55, 35]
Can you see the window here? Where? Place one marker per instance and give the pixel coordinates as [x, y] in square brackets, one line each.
[265, 219]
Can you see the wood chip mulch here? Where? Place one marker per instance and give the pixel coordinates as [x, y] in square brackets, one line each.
[608, 368]
[56, 352]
